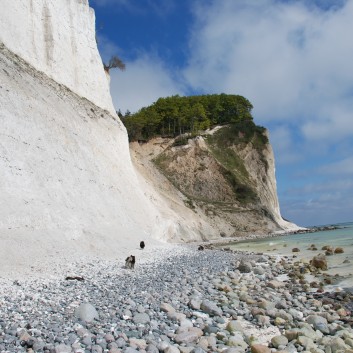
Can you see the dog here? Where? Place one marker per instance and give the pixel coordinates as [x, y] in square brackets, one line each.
[142, 244]
[130, 262]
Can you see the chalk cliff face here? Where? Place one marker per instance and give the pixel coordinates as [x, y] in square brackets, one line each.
[57, 37]
[67, 186]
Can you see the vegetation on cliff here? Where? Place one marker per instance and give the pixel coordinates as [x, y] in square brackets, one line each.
[216, 173]
[173, 116]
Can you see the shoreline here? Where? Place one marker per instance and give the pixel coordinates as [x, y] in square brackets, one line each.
[255, 237]
[180, 300]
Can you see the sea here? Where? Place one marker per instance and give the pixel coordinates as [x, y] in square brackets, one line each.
[341, 236]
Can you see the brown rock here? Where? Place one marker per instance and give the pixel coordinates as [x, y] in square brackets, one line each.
[328, 250]
[139, 343]
[319, 261]
[339, 250]
[295, 250]
[291, 334]
[260, 348]
[342, 312]
[276, 284]
[167, 308]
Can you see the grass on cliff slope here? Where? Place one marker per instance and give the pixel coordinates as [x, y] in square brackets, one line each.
[242, 132]
[232, 166]
[221, 143]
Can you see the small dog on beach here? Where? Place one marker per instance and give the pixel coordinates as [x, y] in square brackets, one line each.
[142, 244]
[130, 262]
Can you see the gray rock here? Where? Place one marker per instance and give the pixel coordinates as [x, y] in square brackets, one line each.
[307, 331]
[151, 348]
[97, 349]
[141, 318]
[114, 350]
[172, 349]
[234, 326]
[245, 267]
[62, 348]
[198, 350]
[263, 320]
[86, 312]
[338, 345]
[319, 323]
[284, 315]
[210, 308]
[162, 346]
[237, 341]
[120, 342]
[211, 329]
[258, 270]
[167, 307]
[130, 350]
[279, 341]
[186, 337]
[38, 345]
[109, 338]
[306, 342]
[296, 314]
[195, 303]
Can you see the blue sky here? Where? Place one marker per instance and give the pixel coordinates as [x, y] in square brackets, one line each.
[292, 59]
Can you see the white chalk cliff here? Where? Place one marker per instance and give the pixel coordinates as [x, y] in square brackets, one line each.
[57, 37]
[67, 184]
[68, 187]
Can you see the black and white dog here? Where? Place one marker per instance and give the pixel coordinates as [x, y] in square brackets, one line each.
[130, 262]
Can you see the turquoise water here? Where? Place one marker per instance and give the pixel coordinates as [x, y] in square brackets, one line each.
[283, 245]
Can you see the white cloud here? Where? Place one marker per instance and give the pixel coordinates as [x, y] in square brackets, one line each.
[291, 60]
[144, 81]
[282, 141]
[320, 202]
[340, 168]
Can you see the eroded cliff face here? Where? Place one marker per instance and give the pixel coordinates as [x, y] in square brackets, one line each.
[67, 183]
[232, 189]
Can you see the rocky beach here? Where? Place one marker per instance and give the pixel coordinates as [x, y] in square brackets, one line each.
[177, 299]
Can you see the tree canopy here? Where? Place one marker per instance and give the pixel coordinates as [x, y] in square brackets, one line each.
[176, 115]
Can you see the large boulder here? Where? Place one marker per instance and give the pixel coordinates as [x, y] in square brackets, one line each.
[319, 323]
[319, 261]
[245, 266]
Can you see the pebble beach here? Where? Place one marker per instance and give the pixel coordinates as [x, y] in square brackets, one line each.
[177, 299]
